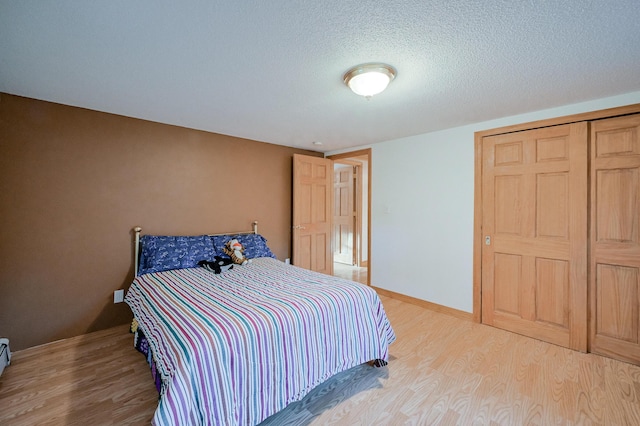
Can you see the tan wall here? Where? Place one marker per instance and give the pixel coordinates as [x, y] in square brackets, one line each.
[74, 182]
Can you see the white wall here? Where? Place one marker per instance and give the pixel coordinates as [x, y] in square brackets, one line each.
[422, 208]
[422, 217]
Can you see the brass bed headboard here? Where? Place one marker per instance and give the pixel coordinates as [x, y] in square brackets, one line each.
[138, 230]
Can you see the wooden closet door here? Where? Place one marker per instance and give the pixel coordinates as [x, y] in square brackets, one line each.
[534, 257]
[615, 239]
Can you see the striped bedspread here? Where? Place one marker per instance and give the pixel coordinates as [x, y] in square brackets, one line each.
[235, 348]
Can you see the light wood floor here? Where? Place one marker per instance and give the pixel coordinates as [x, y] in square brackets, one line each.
[353, 273]
[443, 371]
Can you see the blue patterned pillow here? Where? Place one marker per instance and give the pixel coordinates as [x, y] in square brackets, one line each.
[161, 253]
[255, 245]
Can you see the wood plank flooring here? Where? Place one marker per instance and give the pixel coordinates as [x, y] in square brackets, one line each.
[95, 379]
[353, 273]
[443, 371]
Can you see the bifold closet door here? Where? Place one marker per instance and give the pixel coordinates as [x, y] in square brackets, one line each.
[615, 238]
[534, 225]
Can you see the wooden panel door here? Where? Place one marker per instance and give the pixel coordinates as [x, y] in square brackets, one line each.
[312, 213]
[615, 238]
[534, 257]
[344, 215]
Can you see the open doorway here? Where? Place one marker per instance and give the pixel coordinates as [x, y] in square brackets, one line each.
[351, 233]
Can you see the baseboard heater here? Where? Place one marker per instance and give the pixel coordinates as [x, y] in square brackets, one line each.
[5, 354]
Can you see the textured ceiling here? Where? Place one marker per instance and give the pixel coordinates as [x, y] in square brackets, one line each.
[272, 70]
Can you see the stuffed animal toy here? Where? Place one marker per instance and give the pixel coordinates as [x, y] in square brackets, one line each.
[218, 266]
[235, 251]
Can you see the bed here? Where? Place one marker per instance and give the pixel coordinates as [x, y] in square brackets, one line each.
[236, 347]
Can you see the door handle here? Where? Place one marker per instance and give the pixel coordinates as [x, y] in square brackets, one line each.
[487, 240]
[298, 227]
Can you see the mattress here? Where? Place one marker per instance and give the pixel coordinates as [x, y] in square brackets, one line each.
[237, 347]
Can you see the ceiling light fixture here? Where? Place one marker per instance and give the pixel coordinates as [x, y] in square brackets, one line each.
[369, 79]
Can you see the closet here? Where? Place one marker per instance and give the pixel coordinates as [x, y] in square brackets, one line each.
[614, 238]
[557, 218]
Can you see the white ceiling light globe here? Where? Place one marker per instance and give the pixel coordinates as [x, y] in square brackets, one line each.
[369, 79]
